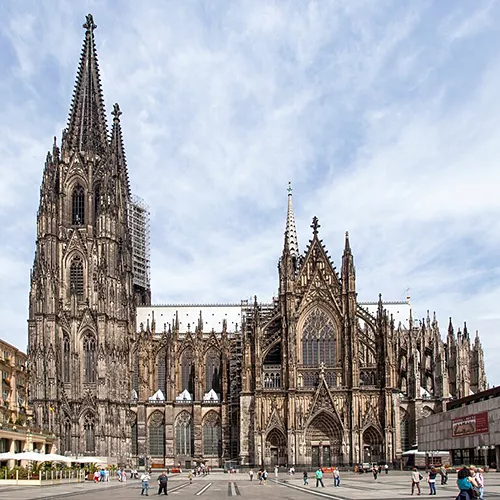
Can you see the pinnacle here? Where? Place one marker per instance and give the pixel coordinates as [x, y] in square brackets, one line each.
[291, 241]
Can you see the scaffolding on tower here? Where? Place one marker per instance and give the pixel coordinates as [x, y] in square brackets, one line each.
[140, 228]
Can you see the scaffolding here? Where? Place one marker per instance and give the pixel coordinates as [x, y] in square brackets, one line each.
[139, 227]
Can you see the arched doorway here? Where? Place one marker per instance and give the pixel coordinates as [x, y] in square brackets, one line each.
[276, 444]
[324, 441]
[372, 445]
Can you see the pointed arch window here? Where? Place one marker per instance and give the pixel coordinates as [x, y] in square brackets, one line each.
[212, 371]
[156, 435]
[134, 438]
[66, 438]
[89, 431]
[89, 350]
[76, 277]
[135, 375]
[187, 372]
[212, 435]
[78, 206]
[184, 435]
[97, 202]
[161, 367]
[318, 339]
[66, 359]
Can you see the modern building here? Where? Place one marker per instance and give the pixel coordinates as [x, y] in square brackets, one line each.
[312, 377]
[17, 429]
[469, 429]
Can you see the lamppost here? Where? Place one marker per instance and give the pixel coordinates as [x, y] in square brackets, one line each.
[484, 449]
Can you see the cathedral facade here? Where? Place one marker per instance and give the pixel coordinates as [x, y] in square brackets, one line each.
[315, 377]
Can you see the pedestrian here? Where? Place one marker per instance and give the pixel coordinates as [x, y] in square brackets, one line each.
[305, 477]
[416, 477]
[466, 483]
[431, 479]
[250, 473]
[264, 476]
[375, 472]
[118, 474]
[190, 477]
[319, 478]
[145, 483]
[276, 470]
[259, 476]
[336, 477]
[386, 468]
[162, 483]
[124, 476]
[96, 476]
[444, 475]
[478, 476]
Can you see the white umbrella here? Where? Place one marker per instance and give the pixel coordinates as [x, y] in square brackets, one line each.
[29, 455]
[53, 457]
[86, 460]
[8, 456]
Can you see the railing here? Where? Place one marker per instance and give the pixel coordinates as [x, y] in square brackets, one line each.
[43, 478]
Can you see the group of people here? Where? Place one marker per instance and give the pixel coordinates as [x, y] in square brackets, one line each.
[162, 483]
[470, 481]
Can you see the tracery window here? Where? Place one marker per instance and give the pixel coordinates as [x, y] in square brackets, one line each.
[187, 363]
[212, 435]
[405, 432]
[97, 202]
[76, 277]
[78, 206]
[89, 349]
[89, 430]
[184, 434]
[212, 371]
[66, 441]
[66, 359]
[318, 339]
[156, 435]
[135, 375]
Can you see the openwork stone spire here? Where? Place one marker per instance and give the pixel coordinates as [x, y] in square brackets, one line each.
[291, 242]
[87, 129]
[119, 150]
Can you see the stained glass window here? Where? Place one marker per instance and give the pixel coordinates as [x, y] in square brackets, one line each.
[318, 339]
[76, 277]
[89, 349]
[212, 371]
[78, 206]
[66, 359]
[156, 435]
[66, 441]
[187, 371]
[212, 435]
[161, 371]
[183, 434]
[134, 438]
[89, 430]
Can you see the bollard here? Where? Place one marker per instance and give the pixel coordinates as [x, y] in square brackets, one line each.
[17, 477]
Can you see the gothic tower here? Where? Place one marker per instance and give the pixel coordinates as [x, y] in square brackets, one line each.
[81, 305]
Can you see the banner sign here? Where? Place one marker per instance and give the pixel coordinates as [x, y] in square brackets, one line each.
[472, 424]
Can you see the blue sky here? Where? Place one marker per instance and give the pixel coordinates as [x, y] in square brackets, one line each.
[384, 115]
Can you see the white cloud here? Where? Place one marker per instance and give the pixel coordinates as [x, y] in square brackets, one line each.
[383, 126]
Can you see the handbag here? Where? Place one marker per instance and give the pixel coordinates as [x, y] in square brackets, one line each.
[474, 492]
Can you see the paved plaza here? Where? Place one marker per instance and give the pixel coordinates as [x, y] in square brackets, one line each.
[394, 486]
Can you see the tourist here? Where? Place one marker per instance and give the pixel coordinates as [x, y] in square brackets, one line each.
[190, 477]
[250, 473]
[431, 479]
[118, 474]
[96, 476]
[276, 470]
[465, 483]
[162, 483]
[145, 483]
[416, 477]
[478, 476]
[305, 478]
[259, 476]
[319, 478]
[124, 476]
[375, 472]
[444, 474]
[336, 477]
[386, 468]
[264, 476]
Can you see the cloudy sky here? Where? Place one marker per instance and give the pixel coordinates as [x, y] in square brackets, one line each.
[384, 115]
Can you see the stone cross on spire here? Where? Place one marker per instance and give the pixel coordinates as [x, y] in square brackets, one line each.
[89, 23]
[315, 225]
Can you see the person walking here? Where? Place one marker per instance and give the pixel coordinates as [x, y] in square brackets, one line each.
[336, 477]
[431, 479]
[305, 478]
[264, 476]
[444, 475]
[375, 472]
[319, 478]
[162, 483]
[250, 474]
[416, 477]
[276, 470]
[145, 483]
[386, 468]
[478, 476]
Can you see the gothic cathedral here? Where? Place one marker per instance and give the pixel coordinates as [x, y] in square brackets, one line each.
[315, 377]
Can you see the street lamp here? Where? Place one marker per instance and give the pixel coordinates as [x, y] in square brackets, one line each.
[484, 449]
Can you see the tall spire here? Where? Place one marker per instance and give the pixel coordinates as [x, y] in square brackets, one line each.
[291, 242]
[87, 129]
[118, 150]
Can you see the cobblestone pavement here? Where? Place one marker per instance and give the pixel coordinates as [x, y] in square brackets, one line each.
[393, 486]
